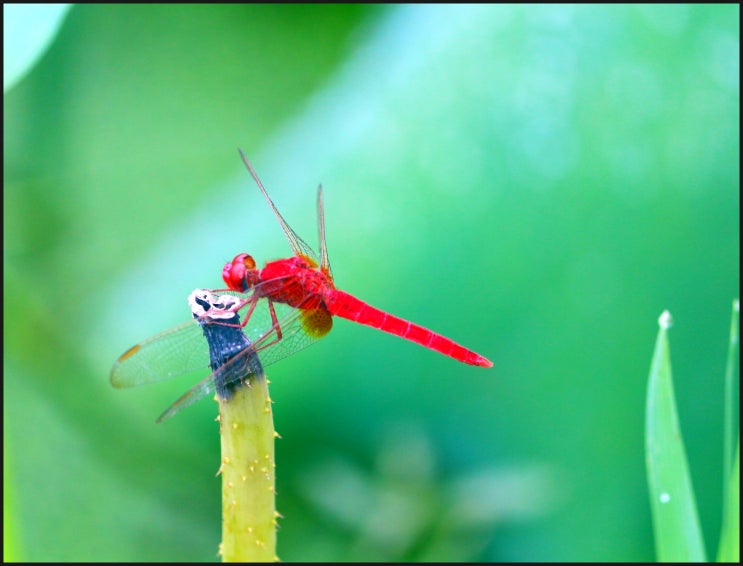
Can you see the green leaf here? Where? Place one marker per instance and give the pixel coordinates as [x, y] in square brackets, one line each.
[731, 395]
[729, 550]
[678, 536]
[28, 30]
[12, 551]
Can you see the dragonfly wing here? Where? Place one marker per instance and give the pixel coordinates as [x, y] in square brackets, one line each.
[174, 352]
[298, 245]
[177, 351]
[299, 328]
[324, 261]
[196, 393]
[212, 342]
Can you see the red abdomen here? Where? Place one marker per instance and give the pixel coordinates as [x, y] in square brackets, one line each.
[341, 304]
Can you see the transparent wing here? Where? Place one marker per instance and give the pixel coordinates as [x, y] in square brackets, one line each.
[324, 261]
[298, 245]
[177, 351]
[296, 333]
[184, 349]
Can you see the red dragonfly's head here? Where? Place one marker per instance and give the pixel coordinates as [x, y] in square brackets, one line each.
[240, 274]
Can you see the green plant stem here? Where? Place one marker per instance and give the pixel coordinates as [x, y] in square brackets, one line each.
[248, 475]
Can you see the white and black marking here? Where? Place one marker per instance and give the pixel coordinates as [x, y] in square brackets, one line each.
[231, 357]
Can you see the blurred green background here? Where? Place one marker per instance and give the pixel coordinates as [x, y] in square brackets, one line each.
[535, 182]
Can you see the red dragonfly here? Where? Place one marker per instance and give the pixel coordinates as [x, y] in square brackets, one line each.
[279, 309]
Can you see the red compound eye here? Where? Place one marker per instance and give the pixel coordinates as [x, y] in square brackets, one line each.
[237, 273]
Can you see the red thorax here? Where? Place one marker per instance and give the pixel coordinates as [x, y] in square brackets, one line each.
[294, 281]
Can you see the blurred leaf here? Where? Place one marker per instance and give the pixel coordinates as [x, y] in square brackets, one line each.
[11, 544]
[28, 29]
[678, 536]
[731, 393]
[729, 550]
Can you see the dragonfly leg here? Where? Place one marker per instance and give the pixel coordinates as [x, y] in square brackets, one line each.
[274, 320]
[225, 290]
[275, 327]
[249, 313]
[246, 318]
